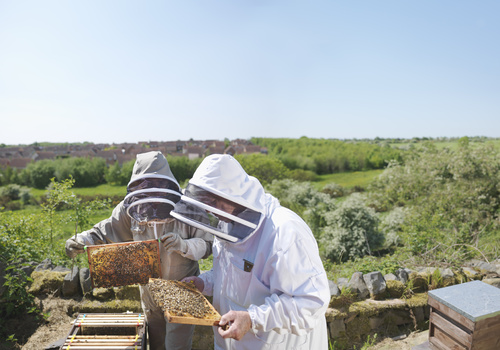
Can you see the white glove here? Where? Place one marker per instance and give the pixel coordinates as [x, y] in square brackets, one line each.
[74, 246]
[175, 242]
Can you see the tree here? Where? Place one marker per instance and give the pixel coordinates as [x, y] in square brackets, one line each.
[263, 167]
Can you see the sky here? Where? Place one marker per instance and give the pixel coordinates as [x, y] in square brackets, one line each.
[113, 71]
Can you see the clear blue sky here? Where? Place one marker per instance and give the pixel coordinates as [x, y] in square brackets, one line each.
[127, 71]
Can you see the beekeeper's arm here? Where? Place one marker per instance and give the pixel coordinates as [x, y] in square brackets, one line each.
[114, 229]
[299, 291]
[188, 241]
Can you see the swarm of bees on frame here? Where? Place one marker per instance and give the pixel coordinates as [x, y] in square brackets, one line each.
[181, 299]
[121, 265]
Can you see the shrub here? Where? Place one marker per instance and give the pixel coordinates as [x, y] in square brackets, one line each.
[263, 167]
[333, 190]
[452, 199]
[303, 175]
[391, 225]
[305, 200]
[351, 231]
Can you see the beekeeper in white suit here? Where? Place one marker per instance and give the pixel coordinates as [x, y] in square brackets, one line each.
[267, 280]
[144, 214]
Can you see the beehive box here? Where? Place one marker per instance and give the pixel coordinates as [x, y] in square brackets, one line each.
[107, 332]
[465, 317]
[183, 303]
[121, 264]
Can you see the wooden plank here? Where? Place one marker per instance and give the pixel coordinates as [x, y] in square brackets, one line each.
[487, 341]
[99, 345]
[103, 340]
[106, 337]
[442, 341]
[212, 320]
[85, 347]
[192, 320]
[467, 323]
[107, 324]
[450, 329]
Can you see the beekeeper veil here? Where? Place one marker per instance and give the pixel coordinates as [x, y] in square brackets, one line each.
[233, 199]
[152, 191]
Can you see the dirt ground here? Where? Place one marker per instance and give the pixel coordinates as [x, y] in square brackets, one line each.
[56, 327]
[39, 334]
[407, 343]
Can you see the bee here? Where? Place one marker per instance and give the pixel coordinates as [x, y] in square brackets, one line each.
[124, 264]
[180, 299]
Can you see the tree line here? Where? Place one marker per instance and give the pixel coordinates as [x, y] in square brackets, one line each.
[327, 156]
[300, 159]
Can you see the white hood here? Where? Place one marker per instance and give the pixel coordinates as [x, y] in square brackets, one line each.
[224, 176]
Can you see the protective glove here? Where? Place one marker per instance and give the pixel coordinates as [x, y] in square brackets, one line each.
[74, 246]
[173, 241]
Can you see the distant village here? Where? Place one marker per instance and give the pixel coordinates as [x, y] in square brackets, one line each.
[20, 156]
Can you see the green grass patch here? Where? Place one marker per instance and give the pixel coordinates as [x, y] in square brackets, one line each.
[105, 190]
[348, 179]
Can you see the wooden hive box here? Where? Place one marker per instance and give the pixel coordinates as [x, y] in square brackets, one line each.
[465, 317]
[111, 331]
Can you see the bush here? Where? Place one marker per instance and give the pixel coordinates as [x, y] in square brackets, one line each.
[119, 175]
[351, 231]
[38, 174]
[11, 191]
[303, 175]
[333, 190]
[86, 172]
[305, 200]
[391, 225]
[263, 167]
[452, 199]
[183, 168]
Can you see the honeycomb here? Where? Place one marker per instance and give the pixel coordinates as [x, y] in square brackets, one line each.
[181, 299]
[121, 264]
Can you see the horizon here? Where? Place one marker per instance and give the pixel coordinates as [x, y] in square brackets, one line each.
[423, 138]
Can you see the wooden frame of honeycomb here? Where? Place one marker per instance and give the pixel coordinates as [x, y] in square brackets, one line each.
[183, 303]
[121, 264]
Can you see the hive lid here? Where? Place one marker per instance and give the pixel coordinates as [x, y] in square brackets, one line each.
[475, 300]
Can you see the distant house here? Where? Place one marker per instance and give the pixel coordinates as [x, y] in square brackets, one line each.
[194, 152]
[43, 155]
[19, 157]
[4, 163]
[20, 163]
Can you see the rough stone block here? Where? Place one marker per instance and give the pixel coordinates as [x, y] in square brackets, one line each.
[336, 327]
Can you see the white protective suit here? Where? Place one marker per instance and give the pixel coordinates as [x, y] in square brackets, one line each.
[174, 266]
[286, 291]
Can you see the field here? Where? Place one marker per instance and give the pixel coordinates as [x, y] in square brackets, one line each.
[348, 179]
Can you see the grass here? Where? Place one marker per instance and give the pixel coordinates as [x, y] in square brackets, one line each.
[348, 179]
[109, 190]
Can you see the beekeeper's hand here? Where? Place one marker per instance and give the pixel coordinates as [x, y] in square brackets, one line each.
[198, 282]
[74, 246]
[173, 241]
[234, 324]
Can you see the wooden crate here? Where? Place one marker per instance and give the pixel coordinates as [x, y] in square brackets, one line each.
[465, 317]
[107, 332]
